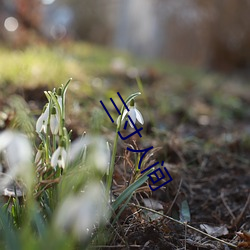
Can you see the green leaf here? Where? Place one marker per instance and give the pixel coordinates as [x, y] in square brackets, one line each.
[39, 222]
[129, 190]
[65, 87]
[185, 212]
[122, 209]
[10, 236]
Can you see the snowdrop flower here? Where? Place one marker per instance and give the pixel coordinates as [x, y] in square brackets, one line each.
[39, 154]
[59, 157]
[17, 152]
[59, 99]
[54, 121]
[98, 152]
[42, 122]
[134, 114]
[79, 214]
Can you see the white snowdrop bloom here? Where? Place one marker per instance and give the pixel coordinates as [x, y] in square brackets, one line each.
[39, 154]
[18, 149]
[101, 154]
[59, 157]
[42, 122]
[98, 152]
[17, 152]
[54, 121]
[59, 99]
[77, 148]
[134, 114]
[79, 214]
[5, 139]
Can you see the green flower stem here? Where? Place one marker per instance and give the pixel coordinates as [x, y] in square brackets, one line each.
[66, 136]
[112, 164]
[137, 163]
[46, 147]
[54, 142]
[65, 87]
[47, 137]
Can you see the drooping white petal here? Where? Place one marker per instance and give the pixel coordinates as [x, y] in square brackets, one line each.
[55, 156]
[18, 156]
[5, 139]
[132, 115]
[39, 123]
[98, 152]
[19, 151]
[59, 99]
[124, 113]
[62, 161]
[64, 154]
[59, 157]
[101, 155]
[54, 124]
[44, 127]
[78, 214]
[42, 121]
[46, 112]
[139, 116]
[77, 148]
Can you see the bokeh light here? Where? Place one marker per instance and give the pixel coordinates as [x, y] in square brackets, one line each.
[11, 24]
[48, 2]
[58, 31]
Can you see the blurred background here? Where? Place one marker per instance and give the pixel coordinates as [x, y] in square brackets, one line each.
[211, 34]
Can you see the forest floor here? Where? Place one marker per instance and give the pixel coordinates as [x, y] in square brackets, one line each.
[197, 121]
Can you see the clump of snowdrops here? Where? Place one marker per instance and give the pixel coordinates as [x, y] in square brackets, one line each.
[60, 189]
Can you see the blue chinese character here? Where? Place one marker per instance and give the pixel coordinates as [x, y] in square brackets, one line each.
[135, 132]
[142, 150]
[155, 172]
[125, 126]
[125, 105]
[158, 179]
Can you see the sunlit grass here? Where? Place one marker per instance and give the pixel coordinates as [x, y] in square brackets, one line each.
[41, 64]
[38, 65]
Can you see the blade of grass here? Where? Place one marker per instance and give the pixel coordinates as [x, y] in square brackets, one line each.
[122, 209]
[39, 222]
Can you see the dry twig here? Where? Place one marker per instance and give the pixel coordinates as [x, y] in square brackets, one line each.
[184, 224]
